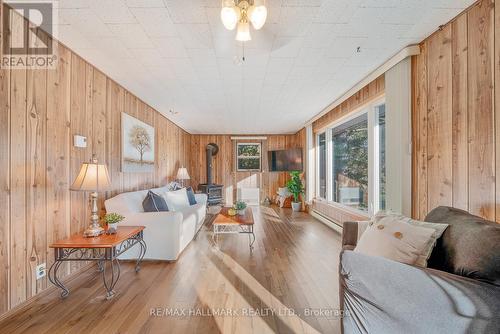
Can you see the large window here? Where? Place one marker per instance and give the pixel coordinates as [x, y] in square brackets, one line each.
[350, 163]
[351, 160]
[321, 144]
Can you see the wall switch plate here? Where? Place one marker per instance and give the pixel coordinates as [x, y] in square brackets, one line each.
[80, 141]
[41, 270]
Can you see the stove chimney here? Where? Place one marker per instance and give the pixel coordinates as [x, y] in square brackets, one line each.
[211, 150]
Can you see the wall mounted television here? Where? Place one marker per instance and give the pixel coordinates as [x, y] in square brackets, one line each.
[285, 160]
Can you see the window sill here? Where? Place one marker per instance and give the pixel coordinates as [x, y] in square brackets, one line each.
[343, 208]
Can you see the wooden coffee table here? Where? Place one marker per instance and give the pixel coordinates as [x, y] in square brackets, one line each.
[226, 224]
[102, 249]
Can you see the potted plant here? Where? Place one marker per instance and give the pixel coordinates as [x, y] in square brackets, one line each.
[240, 207]
[296, 187]
[112, 219]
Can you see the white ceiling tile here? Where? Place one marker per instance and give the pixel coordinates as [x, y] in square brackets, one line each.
[132, 35]
[195, 36]
[170, 47]
[287, 47]
[85, 21]
[186, 11]
[155, 22]
[144, 3]
[112, 11]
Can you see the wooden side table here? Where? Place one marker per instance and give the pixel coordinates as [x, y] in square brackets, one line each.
[102, 249]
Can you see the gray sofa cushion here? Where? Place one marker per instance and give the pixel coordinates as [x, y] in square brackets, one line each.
[469, 247]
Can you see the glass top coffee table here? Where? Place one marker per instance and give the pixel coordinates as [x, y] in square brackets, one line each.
[239, 224]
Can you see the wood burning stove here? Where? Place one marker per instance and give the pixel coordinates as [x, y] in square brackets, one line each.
[213, 191]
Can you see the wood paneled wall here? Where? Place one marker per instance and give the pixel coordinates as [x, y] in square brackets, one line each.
[224, 171]
[456, 126]
[40, 111]
[370, 92]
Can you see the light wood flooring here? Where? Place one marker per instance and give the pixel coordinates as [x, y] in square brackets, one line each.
[292, 269]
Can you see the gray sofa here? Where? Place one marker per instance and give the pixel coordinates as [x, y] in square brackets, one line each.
[383, 296]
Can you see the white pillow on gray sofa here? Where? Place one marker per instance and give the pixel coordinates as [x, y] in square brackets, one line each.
[394, 238]
[438, 232]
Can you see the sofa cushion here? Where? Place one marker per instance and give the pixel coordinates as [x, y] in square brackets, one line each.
[177, 200]
[395, 239]
[469, 247]
[190, 194]
[154, 203]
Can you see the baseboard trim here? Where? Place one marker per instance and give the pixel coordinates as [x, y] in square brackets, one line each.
[50, 289]
[325, 220]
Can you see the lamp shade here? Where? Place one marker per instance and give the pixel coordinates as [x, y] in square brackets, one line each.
[182, 174]
[258, 14]
[92, 177]
[230, 16]
[243, 32]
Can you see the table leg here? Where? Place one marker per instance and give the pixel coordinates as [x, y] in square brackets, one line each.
[215, 237]
[100, 267]
[141, 255]
[55, 280]
[115, 275]
[251, 237]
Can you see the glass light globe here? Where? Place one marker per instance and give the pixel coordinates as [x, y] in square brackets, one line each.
[230, 17]
[243, 33]
[258, 16]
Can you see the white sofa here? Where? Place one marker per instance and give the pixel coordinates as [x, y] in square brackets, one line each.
[166, 233]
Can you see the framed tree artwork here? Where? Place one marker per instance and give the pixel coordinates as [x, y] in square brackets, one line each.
[138, 146]
[248, 157]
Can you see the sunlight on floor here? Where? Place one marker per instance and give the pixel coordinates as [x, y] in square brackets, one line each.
[259, 299]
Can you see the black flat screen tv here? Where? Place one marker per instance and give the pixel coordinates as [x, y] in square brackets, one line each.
[285, 160]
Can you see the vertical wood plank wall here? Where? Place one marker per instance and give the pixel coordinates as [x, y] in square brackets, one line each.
[40, 111]
[224, 171]
[456, 115]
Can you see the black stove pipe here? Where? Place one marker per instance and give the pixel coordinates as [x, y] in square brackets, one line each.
[211, 150]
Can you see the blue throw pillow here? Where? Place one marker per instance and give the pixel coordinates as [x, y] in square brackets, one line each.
[154, 203]
[191, 198]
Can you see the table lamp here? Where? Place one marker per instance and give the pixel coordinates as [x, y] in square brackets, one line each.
[182, 174]
[92, 177]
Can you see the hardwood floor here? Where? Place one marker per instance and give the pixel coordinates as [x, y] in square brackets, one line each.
[293, 268]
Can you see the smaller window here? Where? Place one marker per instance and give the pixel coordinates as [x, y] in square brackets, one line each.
[248, 157]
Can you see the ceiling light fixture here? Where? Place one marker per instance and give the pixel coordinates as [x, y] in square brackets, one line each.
[240, 13]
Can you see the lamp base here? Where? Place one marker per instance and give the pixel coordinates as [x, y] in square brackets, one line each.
[93, 231]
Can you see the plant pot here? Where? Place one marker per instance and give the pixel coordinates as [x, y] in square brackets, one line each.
[242, 212]
[112, 228]
[296, 206]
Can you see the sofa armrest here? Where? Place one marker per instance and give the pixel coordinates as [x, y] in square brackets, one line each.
[162, 234]
[384, 296]
[201, 198]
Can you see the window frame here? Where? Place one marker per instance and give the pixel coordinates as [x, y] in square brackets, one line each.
[373, 157]
[238, 157]
[318, 182]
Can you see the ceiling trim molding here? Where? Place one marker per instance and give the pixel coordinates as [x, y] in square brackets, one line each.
[249, 137]
[411, 50]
